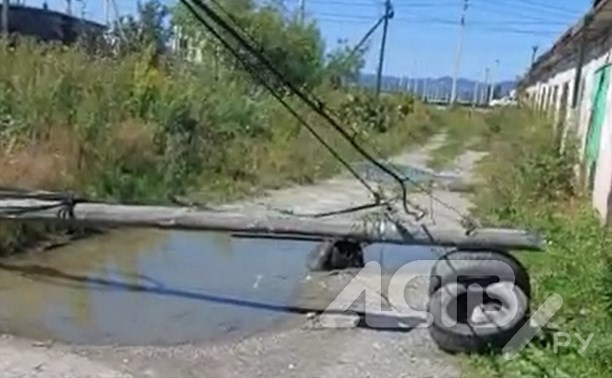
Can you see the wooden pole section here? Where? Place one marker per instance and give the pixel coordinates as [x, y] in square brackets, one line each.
[187, 218]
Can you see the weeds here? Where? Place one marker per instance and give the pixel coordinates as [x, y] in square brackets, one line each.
[126, 130]
[529, 183]
[463, 129]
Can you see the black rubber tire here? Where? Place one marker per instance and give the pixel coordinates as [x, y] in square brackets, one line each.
[464, 337]
[335, 255]
[482, 267]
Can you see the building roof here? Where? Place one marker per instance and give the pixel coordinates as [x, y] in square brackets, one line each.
[48, 24]
[589, 28]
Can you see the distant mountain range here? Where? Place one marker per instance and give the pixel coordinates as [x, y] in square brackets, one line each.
[435, 88]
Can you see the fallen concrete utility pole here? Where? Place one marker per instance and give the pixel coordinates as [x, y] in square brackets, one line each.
[189, 218]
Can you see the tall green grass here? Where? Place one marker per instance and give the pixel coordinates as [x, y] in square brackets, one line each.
[127, 130]
[529, 183]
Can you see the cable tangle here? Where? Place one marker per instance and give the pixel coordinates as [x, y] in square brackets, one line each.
[246, 51]
[207, 16]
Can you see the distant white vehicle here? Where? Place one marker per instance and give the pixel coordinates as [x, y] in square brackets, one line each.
[505, 101]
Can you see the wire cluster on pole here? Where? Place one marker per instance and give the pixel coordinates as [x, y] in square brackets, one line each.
[512, 16]
[237, 41]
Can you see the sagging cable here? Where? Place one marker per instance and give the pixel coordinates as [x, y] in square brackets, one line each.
[316, 105]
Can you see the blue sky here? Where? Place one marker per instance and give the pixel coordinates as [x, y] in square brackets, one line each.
[423, 34]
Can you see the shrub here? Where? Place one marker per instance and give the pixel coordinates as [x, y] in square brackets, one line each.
[129, 130]
[530, 184]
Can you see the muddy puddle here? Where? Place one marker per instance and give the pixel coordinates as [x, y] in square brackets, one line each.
[159, 288]
[147, 287]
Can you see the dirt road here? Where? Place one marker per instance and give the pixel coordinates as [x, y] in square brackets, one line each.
[300, 348]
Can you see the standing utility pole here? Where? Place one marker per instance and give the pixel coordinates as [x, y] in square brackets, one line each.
[475, 94]
[302, 11]
[534, 51]
[5, 18]
[581, 59]
[492, 93]
[69, 7]
[388, 15]
[459, 53]
[414, 86]
[83, 11]
[107, 13]
[485, 93]
[359, 46]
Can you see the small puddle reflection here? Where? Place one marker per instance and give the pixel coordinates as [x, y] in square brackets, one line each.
[161, 288]
[148, 287]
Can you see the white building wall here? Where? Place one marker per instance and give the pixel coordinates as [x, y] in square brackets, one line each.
[542, 95]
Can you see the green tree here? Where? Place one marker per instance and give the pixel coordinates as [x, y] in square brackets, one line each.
[344, 63]
[296, 50]
[147, 30]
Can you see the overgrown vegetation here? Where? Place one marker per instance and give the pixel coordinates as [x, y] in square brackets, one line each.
[529, 183]
[463, 129]
[140, 124]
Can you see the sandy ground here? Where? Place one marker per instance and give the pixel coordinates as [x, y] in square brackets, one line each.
[396, 347]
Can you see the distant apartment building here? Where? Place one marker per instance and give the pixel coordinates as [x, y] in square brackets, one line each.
[571, 82]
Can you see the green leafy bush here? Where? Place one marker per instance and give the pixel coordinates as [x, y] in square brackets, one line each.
[132, 129]
[528, 183]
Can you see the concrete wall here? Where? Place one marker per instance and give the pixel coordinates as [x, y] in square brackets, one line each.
[48, 25]
[540, 94]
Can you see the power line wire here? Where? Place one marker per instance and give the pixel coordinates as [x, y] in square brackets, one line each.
[259, 77]
[314, 103]
[530, 4]
[441, 22]
[522, 13]
[526, 5]
[535, 13]
[378, 3]
[307, 98]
